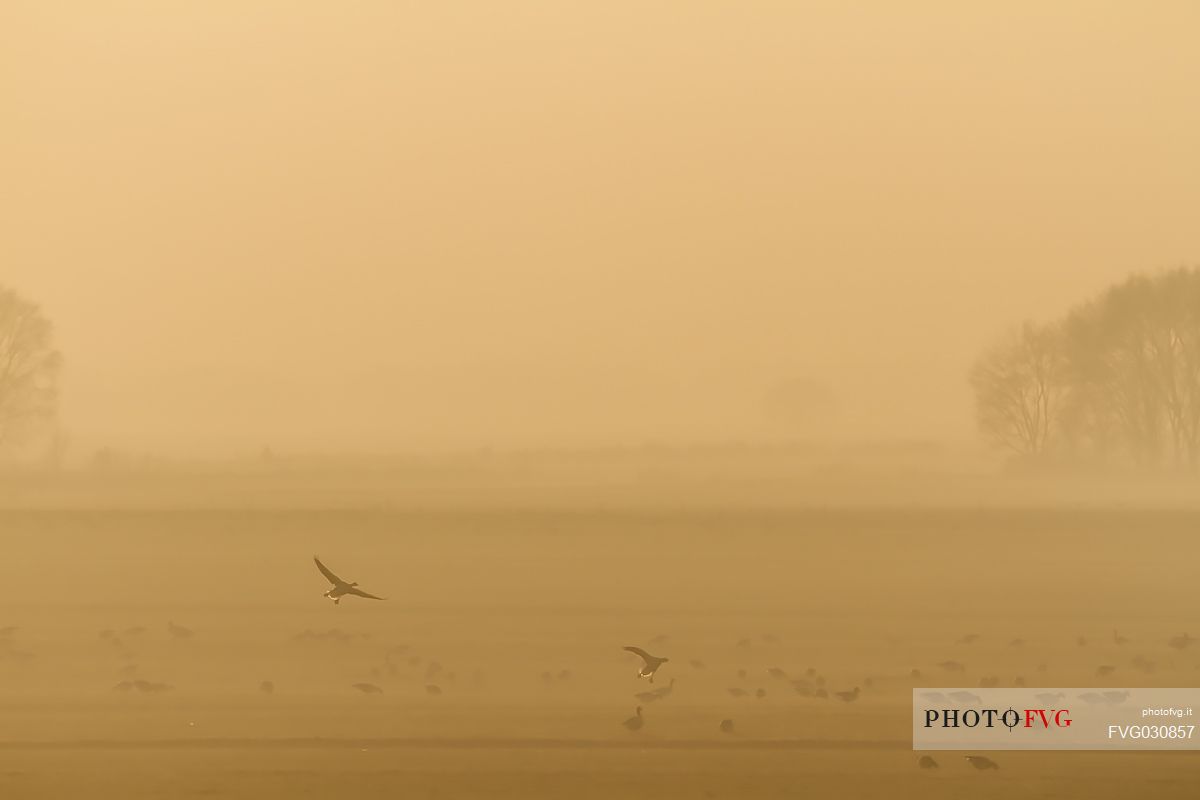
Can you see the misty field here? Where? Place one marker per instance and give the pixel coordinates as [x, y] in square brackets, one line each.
[136, 644]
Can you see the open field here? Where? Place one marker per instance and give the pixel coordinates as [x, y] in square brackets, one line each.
[518, 618]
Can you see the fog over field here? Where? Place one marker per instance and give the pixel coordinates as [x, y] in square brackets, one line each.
[826, 351]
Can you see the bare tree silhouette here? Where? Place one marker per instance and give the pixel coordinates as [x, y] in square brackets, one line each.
[29, 367]
[1019, 386]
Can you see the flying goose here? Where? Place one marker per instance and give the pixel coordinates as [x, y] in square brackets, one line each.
[650, 665]
[340, 587]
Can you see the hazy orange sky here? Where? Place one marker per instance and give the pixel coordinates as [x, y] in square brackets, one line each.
[375, 225]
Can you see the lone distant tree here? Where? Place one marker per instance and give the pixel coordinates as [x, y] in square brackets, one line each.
[29, 367]
[1019, 386]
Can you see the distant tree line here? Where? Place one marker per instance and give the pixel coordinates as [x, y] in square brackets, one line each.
[1116, 380]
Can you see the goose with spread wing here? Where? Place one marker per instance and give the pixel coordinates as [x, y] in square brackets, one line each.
[340, 588]
[650, 665]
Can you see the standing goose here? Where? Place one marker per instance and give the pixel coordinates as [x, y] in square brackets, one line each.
[635, 722]
[340, 588]
[1181, 642]
[650, 663]
[177, 631]
[847, 697]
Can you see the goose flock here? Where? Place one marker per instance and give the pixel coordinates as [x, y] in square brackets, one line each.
[758, 686]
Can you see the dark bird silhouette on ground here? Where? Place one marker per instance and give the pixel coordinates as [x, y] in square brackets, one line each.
[335, 634]
[340, 588]
[927, 762]
[1180, 642]
[650, 663]
[368, 688]
[1143, 663]
[635, 722]
[981, 762]
[179, 632]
